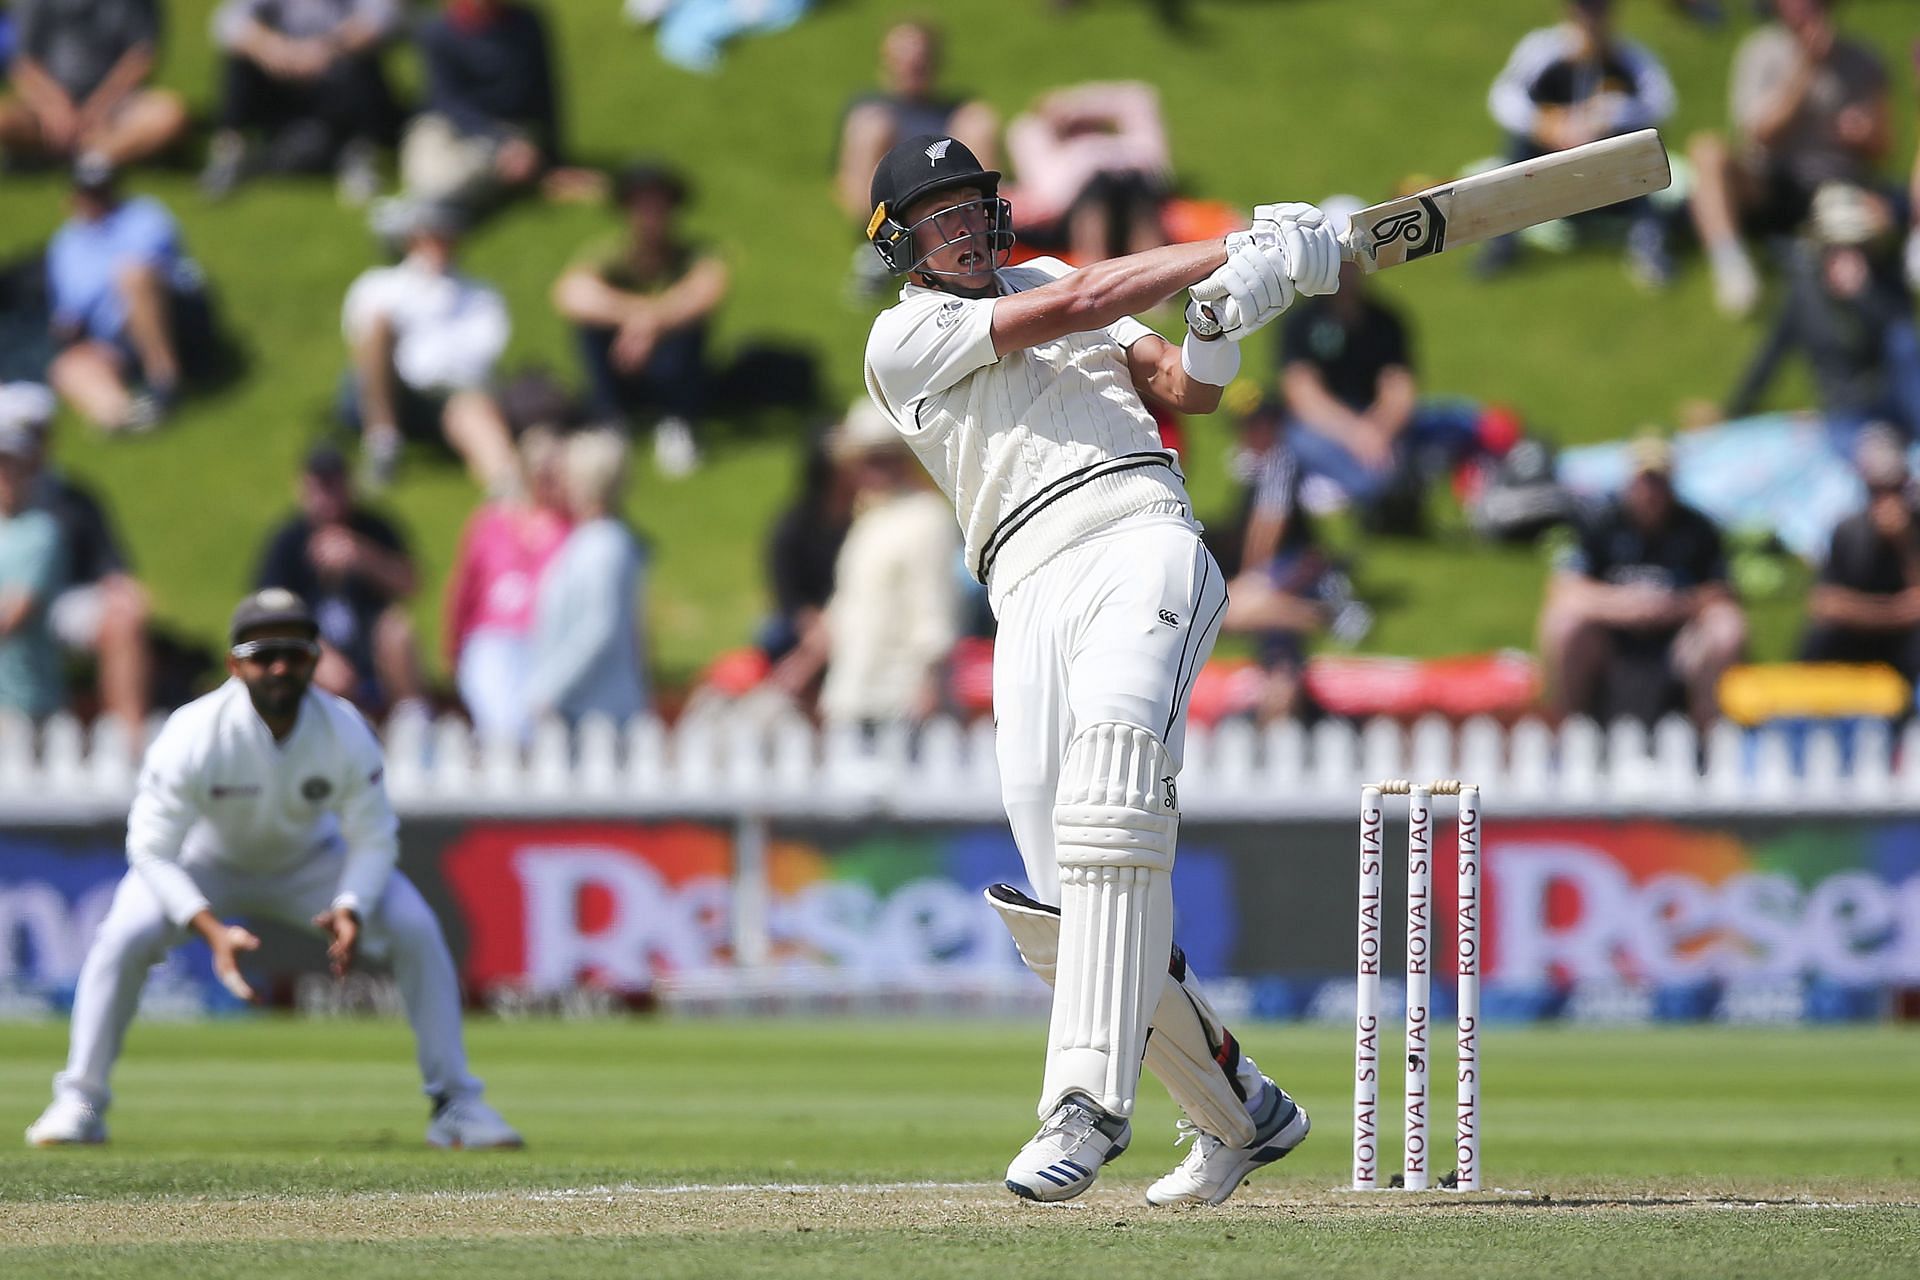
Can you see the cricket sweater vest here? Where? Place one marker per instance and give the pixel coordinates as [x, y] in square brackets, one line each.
[1035, 449]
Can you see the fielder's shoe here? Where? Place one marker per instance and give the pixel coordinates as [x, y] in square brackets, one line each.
[1065, 1157]
[470, 1124]
[67, 1122]
[1212, 1169]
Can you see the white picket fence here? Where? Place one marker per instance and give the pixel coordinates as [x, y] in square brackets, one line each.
[716, 764]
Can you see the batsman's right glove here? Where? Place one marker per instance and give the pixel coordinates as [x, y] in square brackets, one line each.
[1246, 293]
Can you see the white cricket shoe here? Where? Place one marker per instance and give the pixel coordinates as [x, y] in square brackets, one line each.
[1212, 1169]
[67, 1122]
[470, 1124]
[1065, 1157]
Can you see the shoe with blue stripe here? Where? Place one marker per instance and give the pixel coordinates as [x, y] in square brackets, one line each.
[1065, 1157]
[1212, 1169]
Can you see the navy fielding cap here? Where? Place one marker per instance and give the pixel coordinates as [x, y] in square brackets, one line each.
[271, 607]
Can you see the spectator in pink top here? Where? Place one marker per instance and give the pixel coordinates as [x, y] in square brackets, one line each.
[503, 551]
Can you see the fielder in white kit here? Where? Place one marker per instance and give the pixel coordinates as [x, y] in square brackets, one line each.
[1020, 389]
[265, 798]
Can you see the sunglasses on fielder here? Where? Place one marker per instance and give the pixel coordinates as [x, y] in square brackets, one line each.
[266, 651]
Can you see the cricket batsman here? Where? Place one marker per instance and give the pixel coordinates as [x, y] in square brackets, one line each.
[265, 798]
[1022, 391]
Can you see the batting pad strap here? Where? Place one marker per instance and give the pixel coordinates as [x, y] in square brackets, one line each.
[1113, 836]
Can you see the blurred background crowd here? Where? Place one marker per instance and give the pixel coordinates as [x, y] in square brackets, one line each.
[1792, 235]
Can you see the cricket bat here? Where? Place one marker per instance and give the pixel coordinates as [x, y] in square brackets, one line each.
[1507, 199]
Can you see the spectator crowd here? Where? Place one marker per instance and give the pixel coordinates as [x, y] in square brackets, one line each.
[873, 619]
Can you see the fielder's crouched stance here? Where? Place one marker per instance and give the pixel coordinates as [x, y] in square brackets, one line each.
[265, 798]
[1020, 389]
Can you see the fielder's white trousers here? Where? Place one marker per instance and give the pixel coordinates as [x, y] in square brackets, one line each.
[1086, 638]
[136, 935]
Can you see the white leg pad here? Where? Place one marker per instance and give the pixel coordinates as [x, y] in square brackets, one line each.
[1198, 1059]
[1190, 1050]
[1115, 823]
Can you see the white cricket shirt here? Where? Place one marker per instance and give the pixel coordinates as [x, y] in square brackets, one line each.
[448, 330]
[1036, 449]
[216, 788]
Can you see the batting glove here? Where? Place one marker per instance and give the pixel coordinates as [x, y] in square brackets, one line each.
[1313, 251]
[1245, 294]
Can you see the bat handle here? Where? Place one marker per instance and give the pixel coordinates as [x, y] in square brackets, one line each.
[1354, 253]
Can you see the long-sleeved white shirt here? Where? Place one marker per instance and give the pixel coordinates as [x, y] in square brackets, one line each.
[895, 610]
[216, 789]
[448, 329]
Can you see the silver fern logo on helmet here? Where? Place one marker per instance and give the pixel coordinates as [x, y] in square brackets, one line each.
[938, 151]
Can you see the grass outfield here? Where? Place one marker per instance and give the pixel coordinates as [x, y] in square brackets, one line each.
[833, 1149]
[1263, 101]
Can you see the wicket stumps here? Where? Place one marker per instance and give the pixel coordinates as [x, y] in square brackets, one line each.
[1367, 1026]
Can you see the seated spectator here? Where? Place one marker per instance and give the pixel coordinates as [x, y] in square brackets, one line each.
[640, 304]
[1809, 107]
[895, 611]
[1283, 588]
[1093, 169]
[491, 126]
[909, 101]
[354, 569]
[588, 654]
[496, 578]
[424, 339]
[33, 562]
[306, 75]
[1866, 605]
[130, 309]
[79, 75]
[102, 610]
[801, 552]
[1848, 310]
[1576, 83]
[1639, 617]
[1347, 373]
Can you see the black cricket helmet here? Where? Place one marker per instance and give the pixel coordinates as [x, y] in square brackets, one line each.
[920, 166]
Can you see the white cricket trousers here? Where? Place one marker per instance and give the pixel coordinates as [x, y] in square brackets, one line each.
[1114, 628]
[136, 935]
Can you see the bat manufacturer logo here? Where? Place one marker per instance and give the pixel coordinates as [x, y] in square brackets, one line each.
[938, 151]
[1424, 229]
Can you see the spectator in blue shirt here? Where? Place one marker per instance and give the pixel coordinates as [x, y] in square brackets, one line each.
[587, 650]
[129, 311]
